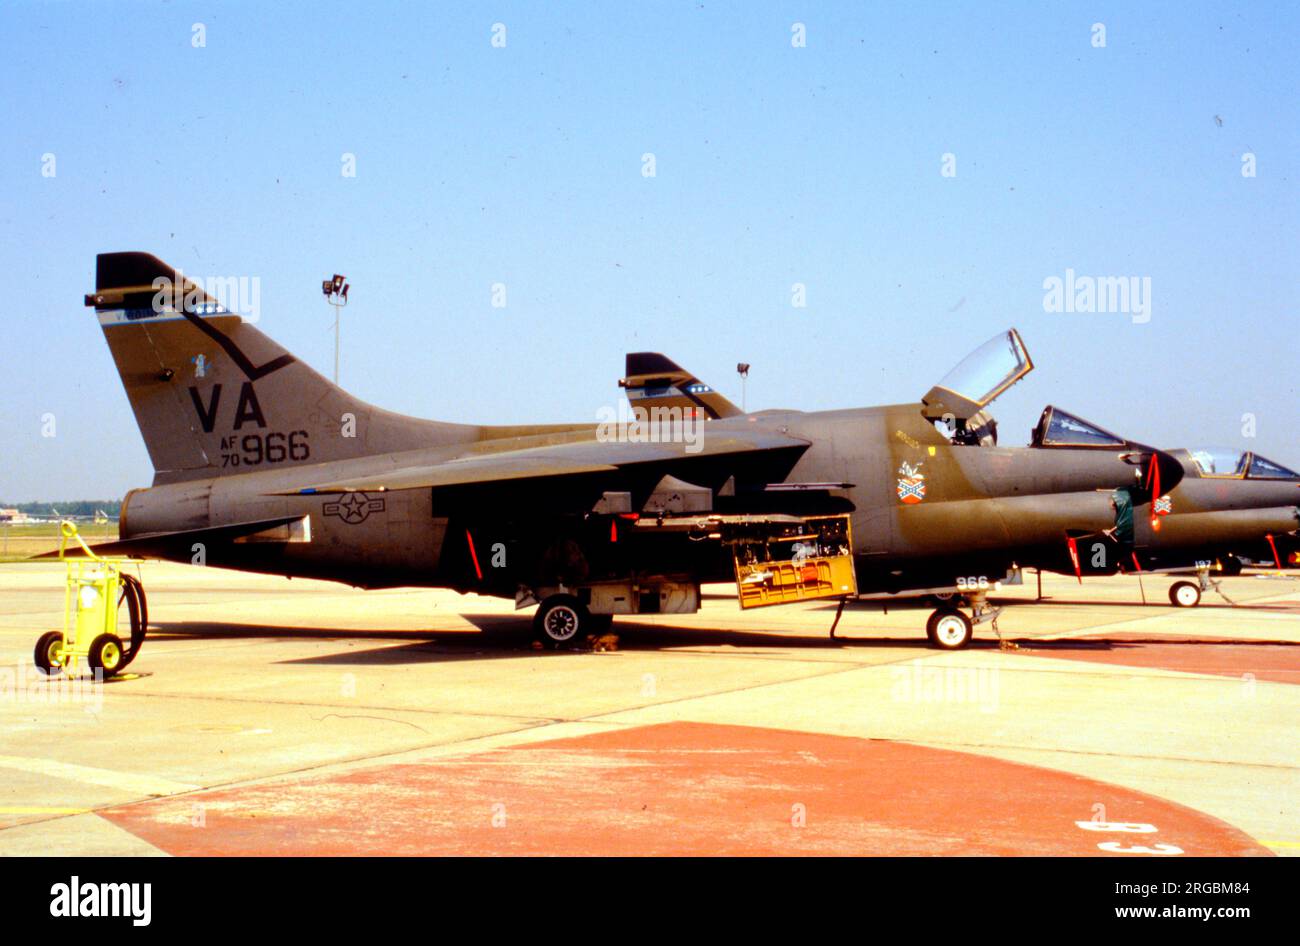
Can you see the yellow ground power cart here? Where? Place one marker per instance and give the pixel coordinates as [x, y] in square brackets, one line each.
[96, 590]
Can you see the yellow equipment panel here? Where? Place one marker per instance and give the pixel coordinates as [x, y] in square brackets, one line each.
[817, 563]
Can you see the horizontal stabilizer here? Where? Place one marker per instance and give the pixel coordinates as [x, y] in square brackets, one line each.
[453, 473]
[179, 544]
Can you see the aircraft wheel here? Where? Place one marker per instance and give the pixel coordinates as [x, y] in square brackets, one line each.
[949, 630]
[562, 620]
[1185, 594]
[106, 654]
[601, 623]
[47, 652]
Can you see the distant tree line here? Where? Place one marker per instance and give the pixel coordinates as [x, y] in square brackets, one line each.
[72, 507]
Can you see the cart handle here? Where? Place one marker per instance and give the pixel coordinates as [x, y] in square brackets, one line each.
[68, 530]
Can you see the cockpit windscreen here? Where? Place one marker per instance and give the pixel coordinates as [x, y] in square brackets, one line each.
[1057, 428]
[1239, 464]
[1262, 469]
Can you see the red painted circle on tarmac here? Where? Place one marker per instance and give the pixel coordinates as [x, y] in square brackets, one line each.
[681, 788]
[1278, 662]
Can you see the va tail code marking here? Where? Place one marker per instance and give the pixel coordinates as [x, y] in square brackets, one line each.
[248, 408]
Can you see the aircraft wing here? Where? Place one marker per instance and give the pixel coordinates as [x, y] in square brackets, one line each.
[587, 459]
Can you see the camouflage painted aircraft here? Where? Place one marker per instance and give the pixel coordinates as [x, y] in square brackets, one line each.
[262, 464]
[1229, 504]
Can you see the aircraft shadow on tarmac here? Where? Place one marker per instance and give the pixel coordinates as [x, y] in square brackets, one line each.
[498, 636]
[495, 635]
[1206, 604]
[1281, 607]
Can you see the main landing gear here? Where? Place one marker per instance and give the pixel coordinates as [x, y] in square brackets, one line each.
[562, 621]
[950, 628]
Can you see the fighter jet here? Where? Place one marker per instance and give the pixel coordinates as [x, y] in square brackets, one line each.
[262, 464]
[1262, 497]
[1229, 504]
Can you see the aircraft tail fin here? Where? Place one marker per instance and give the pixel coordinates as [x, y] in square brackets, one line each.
[653, 381]
[213, 395]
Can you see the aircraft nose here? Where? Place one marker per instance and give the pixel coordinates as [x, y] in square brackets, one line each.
[1171, 473]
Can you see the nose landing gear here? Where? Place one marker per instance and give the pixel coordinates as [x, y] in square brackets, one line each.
[1187, 594]
[1184, 594]
[949, 628]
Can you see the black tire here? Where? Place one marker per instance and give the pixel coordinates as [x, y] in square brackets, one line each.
[562, 621]
[949, 630]
[600, 623]
[106, 654]
[1185, 594]
[1230, 565]
[44, 655]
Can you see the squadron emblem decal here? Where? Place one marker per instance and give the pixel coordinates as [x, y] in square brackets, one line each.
[1164, 505]
[911, 483]
[354, 508]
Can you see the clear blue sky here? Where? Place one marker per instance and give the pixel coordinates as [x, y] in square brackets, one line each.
[775, 165]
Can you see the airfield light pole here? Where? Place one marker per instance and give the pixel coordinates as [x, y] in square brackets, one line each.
[742, 369]
[336, 294]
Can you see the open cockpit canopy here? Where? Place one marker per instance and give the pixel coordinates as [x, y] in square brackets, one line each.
[979, 378]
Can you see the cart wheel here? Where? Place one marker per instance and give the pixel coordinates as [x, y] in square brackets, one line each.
[48, 657]
[106, 654]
